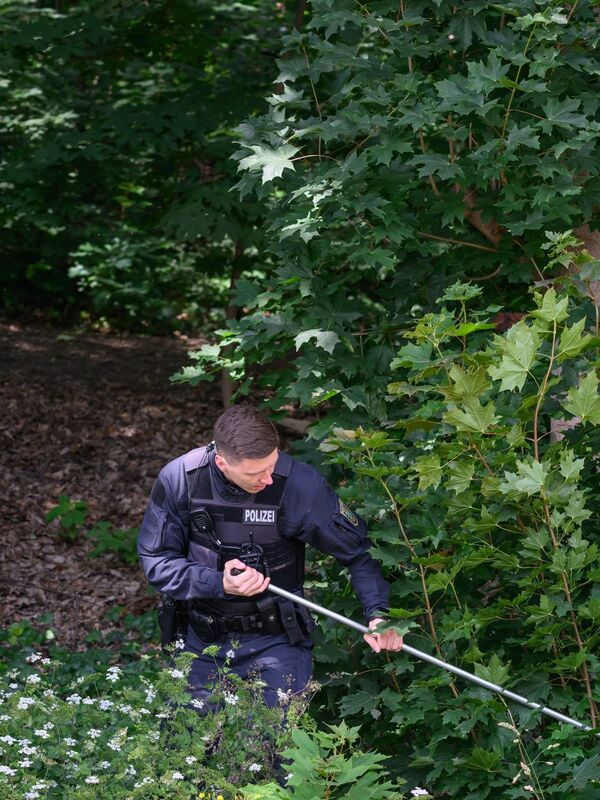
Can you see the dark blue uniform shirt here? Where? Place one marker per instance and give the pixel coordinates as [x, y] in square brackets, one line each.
[311, 512]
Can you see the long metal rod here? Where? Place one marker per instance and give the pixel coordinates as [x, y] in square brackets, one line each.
[437, 662]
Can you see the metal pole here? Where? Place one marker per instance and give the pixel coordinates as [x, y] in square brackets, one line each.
[437, 662]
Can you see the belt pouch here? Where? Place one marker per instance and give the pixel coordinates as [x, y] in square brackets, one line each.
[289, 620]
[166, 620]
[204, 625]
[267, 608]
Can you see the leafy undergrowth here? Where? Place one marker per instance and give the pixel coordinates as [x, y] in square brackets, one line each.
[132, 730]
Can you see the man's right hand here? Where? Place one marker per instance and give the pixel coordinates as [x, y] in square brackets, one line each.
[250, 581]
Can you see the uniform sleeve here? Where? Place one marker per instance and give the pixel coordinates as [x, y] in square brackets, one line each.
[330, 526]
[162, 542]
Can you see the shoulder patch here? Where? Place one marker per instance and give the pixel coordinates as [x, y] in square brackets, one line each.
[345, 512]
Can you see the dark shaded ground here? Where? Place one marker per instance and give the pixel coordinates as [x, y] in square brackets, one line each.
[92, 416]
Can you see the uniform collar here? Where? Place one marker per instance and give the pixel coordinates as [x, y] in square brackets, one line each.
[227, 489]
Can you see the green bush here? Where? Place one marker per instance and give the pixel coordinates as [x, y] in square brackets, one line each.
[481, 489]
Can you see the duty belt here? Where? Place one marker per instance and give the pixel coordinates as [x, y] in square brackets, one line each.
[266, 615]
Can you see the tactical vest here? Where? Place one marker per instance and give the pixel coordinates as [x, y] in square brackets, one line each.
[234, 520]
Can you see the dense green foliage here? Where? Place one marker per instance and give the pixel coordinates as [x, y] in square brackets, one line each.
[412, 144]
[116, 137]
[413, 161]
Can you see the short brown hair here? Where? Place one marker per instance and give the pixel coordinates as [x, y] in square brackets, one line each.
[244, 432]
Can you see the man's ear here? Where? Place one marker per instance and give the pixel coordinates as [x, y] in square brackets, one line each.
[220, 462]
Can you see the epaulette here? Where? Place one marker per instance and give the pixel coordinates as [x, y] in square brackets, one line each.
[284, 465]
[195, 458]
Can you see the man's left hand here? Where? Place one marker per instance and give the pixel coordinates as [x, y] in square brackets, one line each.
[387, 640]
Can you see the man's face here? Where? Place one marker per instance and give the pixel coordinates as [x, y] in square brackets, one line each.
[250, 474]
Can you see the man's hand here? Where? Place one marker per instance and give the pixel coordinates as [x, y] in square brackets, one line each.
[250, 581]
[388, 640]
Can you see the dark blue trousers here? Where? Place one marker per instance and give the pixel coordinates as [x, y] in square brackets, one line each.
[281, 665]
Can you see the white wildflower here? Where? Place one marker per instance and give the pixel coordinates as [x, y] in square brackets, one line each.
[113, 674]
[418, 792]
[31, 795]
[255, 767]
[104, 765]
[190, 759]
[230, 654]
[25, 702]
[4, 718]
[88, 701]
[179, 644]
[74, 699]
[230, 698]
[177, 776]
[7, 739]
[31, 659]
[43, 734]
[92, 779]
[33, 679]
[105, 705]
[197, 703]
[7, 770]
[177, 673]
[94, 733]
[26, 762]
[529, 788]
[49, 726]
[144, 782]
[70, 742]
[28, 751]
[114, 745]
[13, 685]
[72, 753]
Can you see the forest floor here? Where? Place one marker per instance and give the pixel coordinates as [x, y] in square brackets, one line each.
[92, 416]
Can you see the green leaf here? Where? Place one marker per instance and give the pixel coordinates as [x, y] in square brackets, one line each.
[586, 772]
[573, 341]
[465, 385]
[570, 467]
[519, 347]
[561, 113]
[483, 759]
[270, 161]
[583, 401]
[415, 356]
[529, 479]
[494, 671]
[461, 292]
[473, 418]
[325, 339]
[524, 137]
[461, 476]
[549, 308]
[429, 470]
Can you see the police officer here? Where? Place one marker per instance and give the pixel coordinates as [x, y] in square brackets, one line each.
[222, 522]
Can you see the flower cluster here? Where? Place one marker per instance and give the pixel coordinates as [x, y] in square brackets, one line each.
[123, 736]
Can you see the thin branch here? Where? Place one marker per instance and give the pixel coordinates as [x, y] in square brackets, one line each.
[425, 235]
